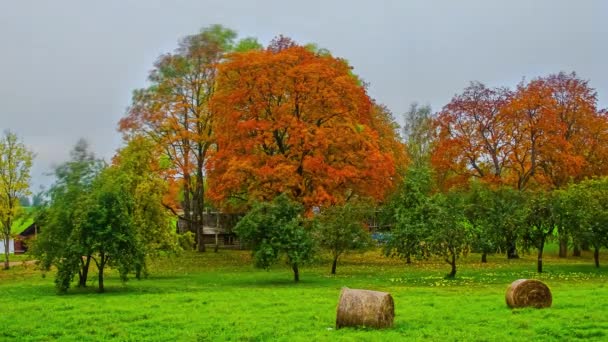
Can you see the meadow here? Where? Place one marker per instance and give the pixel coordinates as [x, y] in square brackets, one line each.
[221, 297]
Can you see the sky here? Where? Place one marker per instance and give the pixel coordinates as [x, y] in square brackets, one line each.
[68, 67]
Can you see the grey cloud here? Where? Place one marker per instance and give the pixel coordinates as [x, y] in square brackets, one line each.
[67, 68]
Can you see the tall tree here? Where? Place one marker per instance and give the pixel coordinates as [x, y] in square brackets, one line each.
[15, 164]
[418, 133]
[291, 120]
[174, 111]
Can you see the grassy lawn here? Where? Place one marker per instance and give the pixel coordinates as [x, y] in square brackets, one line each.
[200, 297]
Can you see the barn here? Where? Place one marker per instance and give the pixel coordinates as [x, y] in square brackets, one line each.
[25, 237]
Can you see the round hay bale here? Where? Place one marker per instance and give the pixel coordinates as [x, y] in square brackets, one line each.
[528, 293]
[365, 308]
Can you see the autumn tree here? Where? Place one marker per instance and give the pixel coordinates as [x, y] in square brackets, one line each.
[175, 113]
[557, 134]
[472, 139]
[15, 165]
[294, 121]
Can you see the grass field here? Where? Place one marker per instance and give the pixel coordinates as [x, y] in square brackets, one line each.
[211, 297]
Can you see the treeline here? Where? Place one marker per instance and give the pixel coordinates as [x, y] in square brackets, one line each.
[501, 170]
[289, 134]
[488, 220]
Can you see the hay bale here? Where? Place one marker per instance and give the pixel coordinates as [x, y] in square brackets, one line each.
[528, 293]
[365, 308]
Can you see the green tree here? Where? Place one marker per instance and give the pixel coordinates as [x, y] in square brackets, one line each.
[15, 165]
[137, 166]
[497, 217]
[486, 238]
[586, 208]
[448, 231]
[541, 221]
[404, 214]
[341, 228]
[276, 228]
[105, 226]
[56, 245]
[247, 44]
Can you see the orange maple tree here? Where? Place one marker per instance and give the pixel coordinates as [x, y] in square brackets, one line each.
[293, 121]
[545, 134]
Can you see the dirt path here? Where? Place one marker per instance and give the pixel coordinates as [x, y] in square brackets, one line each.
[20, 263]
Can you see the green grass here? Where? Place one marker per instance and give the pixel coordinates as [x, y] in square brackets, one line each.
[216, 297]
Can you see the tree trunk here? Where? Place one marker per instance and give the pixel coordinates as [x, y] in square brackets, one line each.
[199, 237]
[217, 227]
[296, 273]
[334, 264]
[484, 257]
[596, 256]
[6, 233]
[84, 273]
[6, 247]
[576, 251]
[539, 263]
[563, 247]
[101, 266]
[512, 251]
[408, 259]
[452, 263]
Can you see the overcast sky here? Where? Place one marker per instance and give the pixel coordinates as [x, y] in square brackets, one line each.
[67, 68]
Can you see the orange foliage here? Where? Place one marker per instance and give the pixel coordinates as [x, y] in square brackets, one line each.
[290, 120]
[545, 134]
[472, 140]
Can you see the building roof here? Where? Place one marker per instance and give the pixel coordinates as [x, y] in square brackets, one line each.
[32, 229]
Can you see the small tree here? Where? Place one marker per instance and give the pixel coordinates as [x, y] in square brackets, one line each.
[341, 228]
[588, 201]
[448, 231]
[497, 217]
[276, 228]
[15, 164]
[106, 227]
[541, 221]
[409, 229]
[478, 211]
